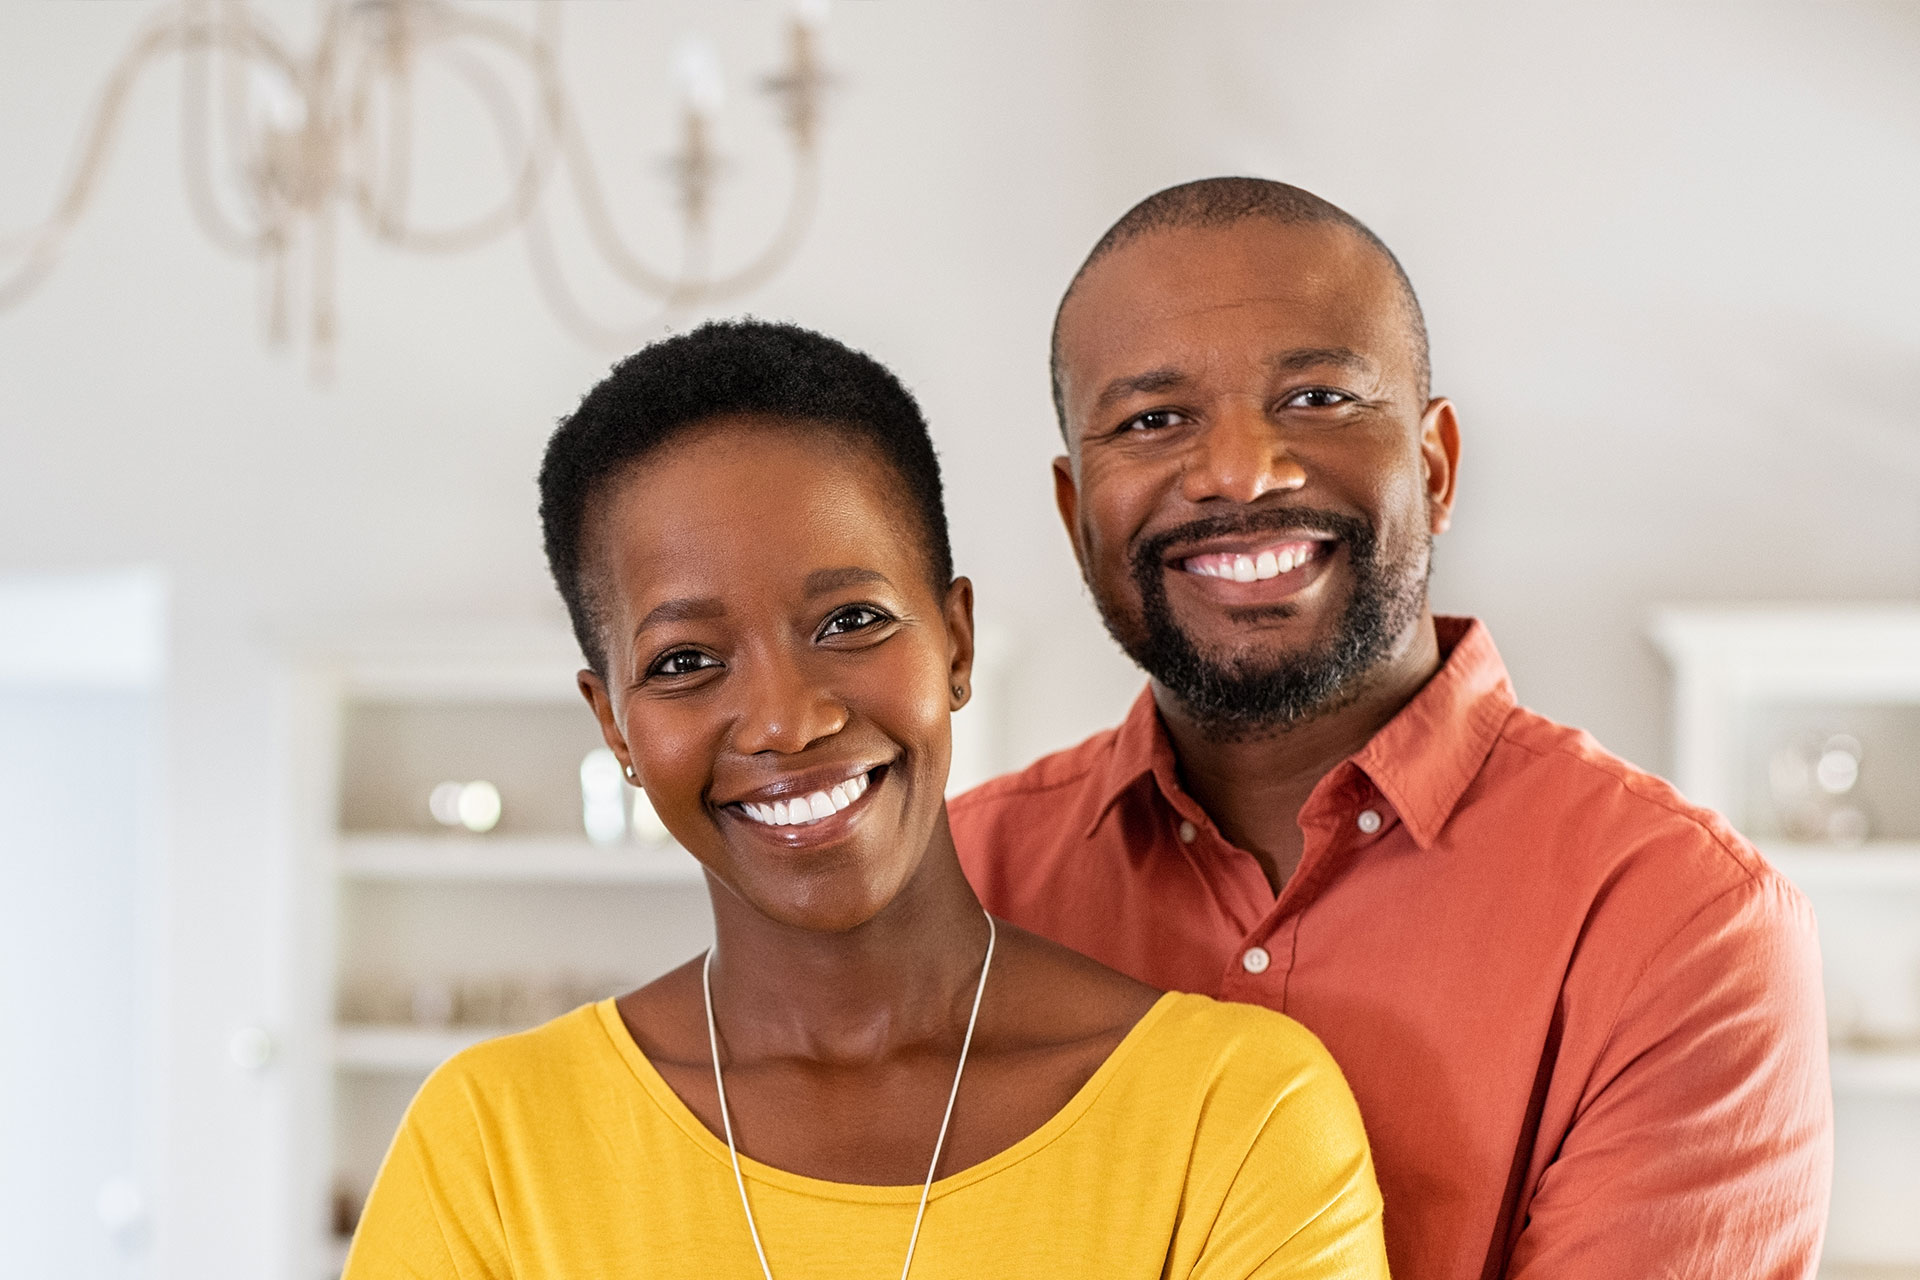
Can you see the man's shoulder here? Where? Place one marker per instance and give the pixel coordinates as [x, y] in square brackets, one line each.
[1616, 819]
[1052, 780]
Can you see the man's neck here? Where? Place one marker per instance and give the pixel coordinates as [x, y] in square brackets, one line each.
[1253, 787]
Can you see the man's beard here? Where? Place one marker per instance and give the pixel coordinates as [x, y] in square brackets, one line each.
[1235, 698]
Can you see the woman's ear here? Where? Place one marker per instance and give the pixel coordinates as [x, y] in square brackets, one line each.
[959, 615]
[594, 690]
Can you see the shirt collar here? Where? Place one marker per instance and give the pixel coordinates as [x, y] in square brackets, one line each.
[1421, 760]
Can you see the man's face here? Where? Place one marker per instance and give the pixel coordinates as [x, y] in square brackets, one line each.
[1253, 479]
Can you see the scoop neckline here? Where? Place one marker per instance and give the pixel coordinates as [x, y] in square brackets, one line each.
[662, 1095]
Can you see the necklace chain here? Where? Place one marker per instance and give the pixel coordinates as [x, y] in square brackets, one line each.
[726, 1118]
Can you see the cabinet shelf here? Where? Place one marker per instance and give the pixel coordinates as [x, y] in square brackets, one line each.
[513, 860]
[1879, 864]
[380, 1050]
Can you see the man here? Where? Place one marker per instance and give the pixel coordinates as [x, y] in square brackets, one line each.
[1583, 1018]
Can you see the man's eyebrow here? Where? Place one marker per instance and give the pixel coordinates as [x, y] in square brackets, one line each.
[1140, 384]
[682, 609]
[821, 581]
[1307, 357]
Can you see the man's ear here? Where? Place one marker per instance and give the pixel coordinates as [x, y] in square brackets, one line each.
[594, 690]
[958, 610]
[1066, 497]
[1440, 452]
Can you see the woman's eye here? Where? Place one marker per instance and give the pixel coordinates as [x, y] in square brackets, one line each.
[681, 662]
[857, 617]
[1154, 420]
[1317, 398]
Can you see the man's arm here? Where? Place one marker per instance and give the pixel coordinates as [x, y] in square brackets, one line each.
[1703, 1144]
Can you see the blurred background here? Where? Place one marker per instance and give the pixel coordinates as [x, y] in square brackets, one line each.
[294, 793]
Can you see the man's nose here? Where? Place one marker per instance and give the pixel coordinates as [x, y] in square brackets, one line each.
[1239, 457]
[785, 709]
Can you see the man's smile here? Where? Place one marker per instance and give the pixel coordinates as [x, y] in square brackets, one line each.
[1256, 563]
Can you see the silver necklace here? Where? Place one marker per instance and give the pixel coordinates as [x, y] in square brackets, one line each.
[726, 1119]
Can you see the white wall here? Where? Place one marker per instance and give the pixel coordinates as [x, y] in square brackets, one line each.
[1667, 253]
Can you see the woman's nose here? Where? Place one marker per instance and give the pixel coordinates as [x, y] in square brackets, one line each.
[1240, 457]
[785, 711]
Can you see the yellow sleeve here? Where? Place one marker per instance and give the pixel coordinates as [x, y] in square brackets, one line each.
[1303, 1203]
[432, 1214]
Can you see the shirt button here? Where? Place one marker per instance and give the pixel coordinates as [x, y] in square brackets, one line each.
[1369, 820]
[1187, 831]
[1255, 960]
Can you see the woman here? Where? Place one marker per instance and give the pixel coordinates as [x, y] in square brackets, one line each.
[866, 1076]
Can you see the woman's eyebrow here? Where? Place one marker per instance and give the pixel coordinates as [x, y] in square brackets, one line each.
[821, 581]
[683, 609]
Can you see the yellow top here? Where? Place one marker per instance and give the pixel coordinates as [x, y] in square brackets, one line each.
[1217, 1142]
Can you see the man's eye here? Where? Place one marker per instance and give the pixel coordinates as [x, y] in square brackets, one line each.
[1154, 420]
[681, 662]
[1317, 398]
[855, 617]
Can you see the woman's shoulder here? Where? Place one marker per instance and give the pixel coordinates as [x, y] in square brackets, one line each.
[1230, 1029]
[1237, 1056]
[545, 1061]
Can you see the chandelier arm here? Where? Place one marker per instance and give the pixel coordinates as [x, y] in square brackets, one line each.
[384, 205]
[200, 38]
[40, 245]
[234, 14]
[683, 291]
[540, 153]
[578, 161]
[793, 229]
[551, 279]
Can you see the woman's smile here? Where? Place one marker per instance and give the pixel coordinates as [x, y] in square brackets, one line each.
[791, 815]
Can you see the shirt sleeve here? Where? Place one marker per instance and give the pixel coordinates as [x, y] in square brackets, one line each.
[432, 1214]
[1704, 1143]
[1303, 1202]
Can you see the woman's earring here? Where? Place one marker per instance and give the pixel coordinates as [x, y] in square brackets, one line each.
[629, 773]
[959, 691]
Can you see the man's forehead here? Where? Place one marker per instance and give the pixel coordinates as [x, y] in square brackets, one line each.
[1188, 269]
[1320, 282]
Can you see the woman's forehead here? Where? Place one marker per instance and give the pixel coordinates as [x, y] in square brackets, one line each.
[747, 502]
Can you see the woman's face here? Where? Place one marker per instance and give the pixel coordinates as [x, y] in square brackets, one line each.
[780, 668]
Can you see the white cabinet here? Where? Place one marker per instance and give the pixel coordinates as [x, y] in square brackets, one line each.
[417, 939]
[1764, 700]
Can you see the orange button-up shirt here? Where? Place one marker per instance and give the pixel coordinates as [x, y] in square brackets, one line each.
[1582, 1017]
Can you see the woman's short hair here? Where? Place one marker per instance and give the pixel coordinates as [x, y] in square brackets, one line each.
[731, 368]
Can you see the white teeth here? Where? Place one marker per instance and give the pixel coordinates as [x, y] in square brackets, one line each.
[802, 810]
[1243, 570]
[1286, 561]
[1267, 565]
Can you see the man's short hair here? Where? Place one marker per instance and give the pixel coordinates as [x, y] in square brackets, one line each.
[1221, 202]
[725, 369]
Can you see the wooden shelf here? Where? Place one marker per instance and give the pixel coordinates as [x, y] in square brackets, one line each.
[376, 1050]
[1878, 864]
[513, 860]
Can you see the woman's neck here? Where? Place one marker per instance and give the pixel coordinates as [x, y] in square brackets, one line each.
[904, 978]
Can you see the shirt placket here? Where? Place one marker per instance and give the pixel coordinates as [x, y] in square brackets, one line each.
[1343, 815]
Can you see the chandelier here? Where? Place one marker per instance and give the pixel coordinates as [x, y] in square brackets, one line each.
[305, 141]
